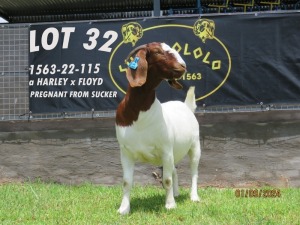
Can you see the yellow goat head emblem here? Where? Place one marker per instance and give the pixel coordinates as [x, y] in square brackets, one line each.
[132, 32]
[204, 29]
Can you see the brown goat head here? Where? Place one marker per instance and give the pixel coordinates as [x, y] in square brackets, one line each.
[156, 62]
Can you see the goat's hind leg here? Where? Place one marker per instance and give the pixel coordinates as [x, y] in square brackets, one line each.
[194, 154]
[175, 183]
[128, 169]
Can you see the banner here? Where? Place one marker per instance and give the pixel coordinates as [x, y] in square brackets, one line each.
[231, 60]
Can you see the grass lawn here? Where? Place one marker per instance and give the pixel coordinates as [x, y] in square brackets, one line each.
[44, 203]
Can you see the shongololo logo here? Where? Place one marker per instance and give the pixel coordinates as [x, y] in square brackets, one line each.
[132, 32]
[209, 62]
[204, 29]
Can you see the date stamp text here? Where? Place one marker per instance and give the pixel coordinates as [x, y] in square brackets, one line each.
[257, 193]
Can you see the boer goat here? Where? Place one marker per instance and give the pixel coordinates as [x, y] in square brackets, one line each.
[148, 131]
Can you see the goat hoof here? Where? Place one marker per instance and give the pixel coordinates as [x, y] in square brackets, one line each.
[157, 177]
[171, 205]
[124, 211]
[195, 198]
[176, 193]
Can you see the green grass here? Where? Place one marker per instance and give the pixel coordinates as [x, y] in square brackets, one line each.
[44, 203]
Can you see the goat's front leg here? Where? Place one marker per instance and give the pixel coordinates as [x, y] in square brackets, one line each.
[168, 167]
[128, 168]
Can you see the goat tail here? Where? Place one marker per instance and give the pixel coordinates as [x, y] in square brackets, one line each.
[190, 99]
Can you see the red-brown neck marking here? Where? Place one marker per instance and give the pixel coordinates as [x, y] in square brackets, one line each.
[157, 62]
[136, 100]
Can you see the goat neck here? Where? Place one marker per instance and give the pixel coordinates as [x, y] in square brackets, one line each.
[157, 62]
[136, 100]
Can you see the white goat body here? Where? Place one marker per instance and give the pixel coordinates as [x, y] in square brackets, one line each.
[148, 131]
[170, 125]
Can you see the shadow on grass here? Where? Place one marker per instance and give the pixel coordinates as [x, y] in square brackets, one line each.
[154, 203]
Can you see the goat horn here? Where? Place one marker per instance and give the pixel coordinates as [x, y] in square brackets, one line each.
[134, 51]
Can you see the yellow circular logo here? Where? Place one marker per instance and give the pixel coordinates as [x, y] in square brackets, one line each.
[207, 58]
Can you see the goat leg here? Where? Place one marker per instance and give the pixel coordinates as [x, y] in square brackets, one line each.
[175, 182]
[128, 169]
[168, 168]
[194, 155]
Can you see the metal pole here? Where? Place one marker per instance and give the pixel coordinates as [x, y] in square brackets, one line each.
[199, 6]
[156, 7]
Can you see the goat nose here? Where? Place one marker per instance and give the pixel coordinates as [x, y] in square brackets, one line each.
[183, 65]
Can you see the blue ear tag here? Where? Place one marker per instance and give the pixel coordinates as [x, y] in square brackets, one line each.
[134, 64]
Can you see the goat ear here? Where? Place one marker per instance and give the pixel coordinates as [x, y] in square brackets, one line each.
[138, 76]
[175, 84]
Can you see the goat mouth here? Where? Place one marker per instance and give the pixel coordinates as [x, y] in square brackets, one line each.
[177, 74]
[174, 83]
